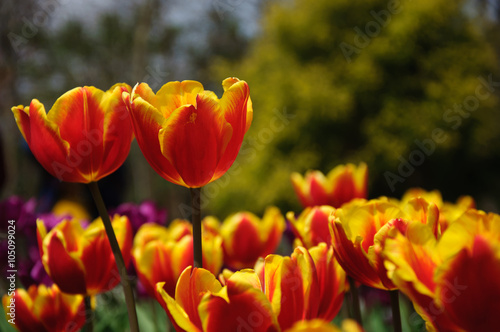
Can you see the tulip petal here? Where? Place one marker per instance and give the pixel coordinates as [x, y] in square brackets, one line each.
[240, 306]
[190, 140]
[178, 316]
[173, 95]
[192, 285]
[469, 287]
[147, 122]
[65, 269]
[49, 148]
[234, 107]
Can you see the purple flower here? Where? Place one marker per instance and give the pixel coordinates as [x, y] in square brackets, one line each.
[22, 212]
[140, 214]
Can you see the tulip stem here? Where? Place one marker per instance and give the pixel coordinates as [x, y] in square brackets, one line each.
[396, 314]
[89, 314]
[120, 263]
[196, 220]
[356, 308]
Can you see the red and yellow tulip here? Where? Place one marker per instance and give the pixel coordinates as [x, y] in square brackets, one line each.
[246, 237]
[44, 309]
[202, 304]
[188, 135]
[359, 231]
[311, 226]
[80, 261]
[161, 253]
[84, 137]
[453, 281]
[282, 291]
[341, 185]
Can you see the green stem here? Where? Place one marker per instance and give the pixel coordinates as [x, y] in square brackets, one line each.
[396, 314]
[127, 289]
[356, 309]
[89, 319]
[196, 220]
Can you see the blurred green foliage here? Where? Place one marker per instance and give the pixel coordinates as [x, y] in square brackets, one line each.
[363, 81]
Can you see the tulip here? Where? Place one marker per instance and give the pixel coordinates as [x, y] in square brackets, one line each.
[358, 234]
[188, 135]
[311, 227]
[279, 293]
[80, 261]
[84, 137]
[342, 184]
[44, 309]
[453, 281]
[161, 254]
[245, 237]
[202, 304]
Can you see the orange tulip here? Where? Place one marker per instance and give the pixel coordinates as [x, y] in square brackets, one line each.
[311, 227]
[80, 261]
[453, 281]
[44, 309]
[359, 231]
[280, 292]
[246, 237]
[341, 185]
[188, 135]
[202, 304]
[161, 253]
[84, 137]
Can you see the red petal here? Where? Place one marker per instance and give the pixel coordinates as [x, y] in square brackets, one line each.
[234, 107]
[470, 287]
[64, 270]
[147, 122]
[191, 140]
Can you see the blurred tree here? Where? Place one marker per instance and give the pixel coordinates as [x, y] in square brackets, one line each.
[402, 85]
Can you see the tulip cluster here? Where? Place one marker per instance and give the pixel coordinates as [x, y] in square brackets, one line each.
[445, 257]
[431, 251]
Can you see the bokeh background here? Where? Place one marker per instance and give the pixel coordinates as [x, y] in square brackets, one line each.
[331, 82]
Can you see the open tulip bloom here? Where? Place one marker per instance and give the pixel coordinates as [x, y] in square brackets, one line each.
[188, 135]
[280, 292]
